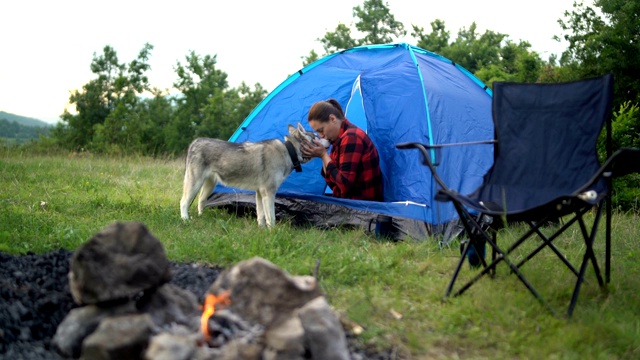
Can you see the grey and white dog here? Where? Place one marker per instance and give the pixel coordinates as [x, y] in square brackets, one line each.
[259, 166]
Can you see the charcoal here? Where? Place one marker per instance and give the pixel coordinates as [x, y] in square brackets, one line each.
[35, 298]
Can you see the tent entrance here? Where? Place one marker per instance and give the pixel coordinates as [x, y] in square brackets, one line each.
[354, 111]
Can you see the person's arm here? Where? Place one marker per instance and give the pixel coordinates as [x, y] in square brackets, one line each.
[326, 159]
[344, 175]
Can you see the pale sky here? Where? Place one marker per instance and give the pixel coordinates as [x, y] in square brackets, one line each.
[47, 46]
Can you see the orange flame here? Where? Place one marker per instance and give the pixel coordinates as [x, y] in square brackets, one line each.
[209, 309]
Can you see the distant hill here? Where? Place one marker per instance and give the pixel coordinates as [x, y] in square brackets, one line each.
[15, 129]
[23, 120]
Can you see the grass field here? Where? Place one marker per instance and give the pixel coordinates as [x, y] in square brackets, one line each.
[393, 290]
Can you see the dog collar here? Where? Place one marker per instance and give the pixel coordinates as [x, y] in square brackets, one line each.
[293, 155]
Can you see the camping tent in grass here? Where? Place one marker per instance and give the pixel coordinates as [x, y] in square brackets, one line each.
[396, 93]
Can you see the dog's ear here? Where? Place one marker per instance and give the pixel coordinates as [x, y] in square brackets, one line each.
[292, 130]
[301, 128]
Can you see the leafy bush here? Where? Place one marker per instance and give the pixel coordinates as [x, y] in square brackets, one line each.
[625, 132]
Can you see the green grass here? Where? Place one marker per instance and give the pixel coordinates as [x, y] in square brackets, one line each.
[393, 290]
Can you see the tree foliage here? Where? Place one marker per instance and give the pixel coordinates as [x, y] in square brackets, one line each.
[207, 106]
[118, 110]
[115, 113]
[625, 132]
[375, 21]
[436, 41]
[606, 42]
[490, 56]
[474, 51]
[198, 82]
[339, 39]
[102, 105]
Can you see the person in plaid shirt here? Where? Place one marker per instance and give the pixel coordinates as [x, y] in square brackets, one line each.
[352, 169]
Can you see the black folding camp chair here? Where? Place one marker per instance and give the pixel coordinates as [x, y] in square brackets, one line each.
[545, 168]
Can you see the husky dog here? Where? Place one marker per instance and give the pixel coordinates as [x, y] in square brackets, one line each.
[259, 166]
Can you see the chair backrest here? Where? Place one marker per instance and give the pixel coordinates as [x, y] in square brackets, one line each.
[547, 136]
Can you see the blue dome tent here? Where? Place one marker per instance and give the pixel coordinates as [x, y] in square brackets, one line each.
[396, 93]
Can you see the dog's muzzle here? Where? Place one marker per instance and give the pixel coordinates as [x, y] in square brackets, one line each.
[322, 141]
[312, 137]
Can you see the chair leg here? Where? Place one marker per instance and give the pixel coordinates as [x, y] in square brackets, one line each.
[576, 290]
[548, 242]
[457, 271]
[494, 253]
[472, 225]
[589, 240]
[473, 228]
[607, 256]
[502, 256]
[589, 255]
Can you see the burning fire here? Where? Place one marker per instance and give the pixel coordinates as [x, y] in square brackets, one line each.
[209, 308]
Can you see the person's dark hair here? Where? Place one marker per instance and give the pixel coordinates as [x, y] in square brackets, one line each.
[321, 110]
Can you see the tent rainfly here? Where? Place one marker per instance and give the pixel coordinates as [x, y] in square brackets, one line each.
[396, 93]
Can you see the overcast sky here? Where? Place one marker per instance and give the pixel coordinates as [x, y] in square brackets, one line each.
[47, 46]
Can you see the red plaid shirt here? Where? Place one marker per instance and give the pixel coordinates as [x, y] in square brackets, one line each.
[354, 169]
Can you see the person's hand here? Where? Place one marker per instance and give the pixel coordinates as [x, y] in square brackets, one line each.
[313, 149]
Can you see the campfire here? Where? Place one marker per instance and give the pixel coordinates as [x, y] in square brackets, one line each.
[209, 309]
[129, 310]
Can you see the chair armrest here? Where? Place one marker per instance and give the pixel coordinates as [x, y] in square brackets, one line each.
[426, 158]
[422, 147]
[623, 162]
[439, 146]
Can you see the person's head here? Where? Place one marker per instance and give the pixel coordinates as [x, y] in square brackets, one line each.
[325, 117]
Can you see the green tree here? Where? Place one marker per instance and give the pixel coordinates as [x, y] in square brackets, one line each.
[490, 56]
[207, 107]
[155, 115]
[214, 115]
[198, 81]
[339, 39]
[473, 51]
[436, 41]
[312, 57]
[600, 45]
[226, 111]
[516, 63]
[104, 106]
[120, 130]
[607, 42]
[375, 21]
[625, 132]
[75, 131]
[241, 102]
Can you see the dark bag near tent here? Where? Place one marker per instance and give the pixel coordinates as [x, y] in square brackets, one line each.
[396, 93]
